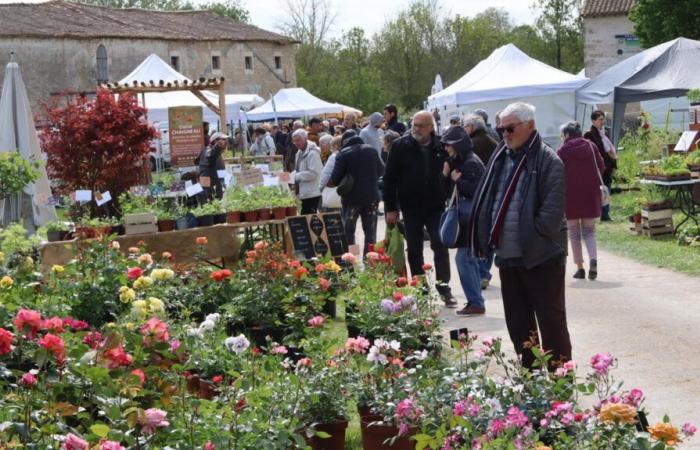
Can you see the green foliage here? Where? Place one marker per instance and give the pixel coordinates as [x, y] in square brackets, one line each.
[15, 173]
[399, 63]
[694, 95]
[15, 241]
[658, 21]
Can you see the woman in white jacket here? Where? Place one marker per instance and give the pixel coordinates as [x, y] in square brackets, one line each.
[307, 172]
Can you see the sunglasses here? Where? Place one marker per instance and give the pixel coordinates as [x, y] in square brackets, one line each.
[508, 129]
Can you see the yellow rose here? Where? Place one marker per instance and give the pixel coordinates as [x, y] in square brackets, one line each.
[332, 266]
[57, 268]
[6, 282]
[110, 325]
[143, 282]
[665, 432]
[28, 262]
[162, 274]
[156, 304]
[126, 294]
[129, 325]
[115, 245]
[618, 413]
[138, 308]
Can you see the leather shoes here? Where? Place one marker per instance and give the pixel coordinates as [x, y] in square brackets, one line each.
[580, 274]
[471, 310]
[449, 300]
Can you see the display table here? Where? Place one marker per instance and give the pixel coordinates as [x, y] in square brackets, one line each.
[683, 198]
[223, 246]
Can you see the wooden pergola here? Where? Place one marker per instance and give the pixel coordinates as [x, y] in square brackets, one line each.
[196, 87]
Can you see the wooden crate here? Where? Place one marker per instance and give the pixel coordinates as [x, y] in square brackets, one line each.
[657, 227]
[657, 214]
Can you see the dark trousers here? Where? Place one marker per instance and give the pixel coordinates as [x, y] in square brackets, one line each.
[310, 205]
[533, 297]
[368, 215]
[414, 223]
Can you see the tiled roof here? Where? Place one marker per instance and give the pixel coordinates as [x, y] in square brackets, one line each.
[63, 19]
[597, 8]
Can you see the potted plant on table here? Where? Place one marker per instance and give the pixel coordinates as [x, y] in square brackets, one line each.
[205, 213]
[56, 231]
[249, 208]
[231, 203]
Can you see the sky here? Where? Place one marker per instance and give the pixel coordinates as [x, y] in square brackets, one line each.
[372, 14]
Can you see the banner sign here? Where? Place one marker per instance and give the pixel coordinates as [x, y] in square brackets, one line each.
[186, 134]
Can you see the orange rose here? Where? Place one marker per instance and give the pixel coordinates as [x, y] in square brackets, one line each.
[665, 432]
[167, 255]
[202, 240]
[618, 413]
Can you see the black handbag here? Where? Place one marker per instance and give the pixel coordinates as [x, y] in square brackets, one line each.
[346, 185]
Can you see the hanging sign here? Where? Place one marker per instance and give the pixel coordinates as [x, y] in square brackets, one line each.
[186, 134]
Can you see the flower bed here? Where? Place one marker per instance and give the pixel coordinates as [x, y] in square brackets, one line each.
[140, 351]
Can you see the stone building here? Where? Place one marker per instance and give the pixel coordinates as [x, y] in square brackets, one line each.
[63, 46]
[608, 34]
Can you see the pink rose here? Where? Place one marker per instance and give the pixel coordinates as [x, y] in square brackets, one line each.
[153, 418]
[349, 258]
[316, 321]
[28, 321]
[73, 442]
[134, 272]
[155, 330]
[110, 445]
[28, 380]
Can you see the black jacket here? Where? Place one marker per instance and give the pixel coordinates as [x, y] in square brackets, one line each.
[363, 163]
[395, 125]
[594, 136]
[412, 181]
[542, 227]
[472, 169]
[208, 162]
[484, 145]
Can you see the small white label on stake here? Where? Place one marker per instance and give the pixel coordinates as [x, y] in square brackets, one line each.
[194, 190]
[102, 198]
[83, 195]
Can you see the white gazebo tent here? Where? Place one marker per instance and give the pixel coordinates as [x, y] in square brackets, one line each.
[292, 103]
[18, 133]
[509, 75]
[154, 70]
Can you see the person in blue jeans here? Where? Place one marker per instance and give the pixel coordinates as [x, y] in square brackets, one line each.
[462, 171]
[485, 269]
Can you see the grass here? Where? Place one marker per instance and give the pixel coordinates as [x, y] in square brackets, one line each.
[660, 252]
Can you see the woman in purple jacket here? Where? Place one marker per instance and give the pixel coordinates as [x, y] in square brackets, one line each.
[582, 163]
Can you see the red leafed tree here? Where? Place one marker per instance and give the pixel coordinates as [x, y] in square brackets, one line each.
[101, 144]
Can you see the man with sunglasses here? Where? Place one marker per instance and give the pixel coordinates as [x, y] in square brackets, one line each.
[518, 212]
[413, 182]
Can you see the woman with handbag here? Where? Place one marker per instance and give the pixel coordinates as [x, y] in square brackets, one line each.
[584, 194]
[461, 175]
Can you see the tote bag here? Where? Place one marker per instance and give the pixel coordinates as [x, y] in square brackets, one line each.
[449, 222]
[330, 198]
[604, 193]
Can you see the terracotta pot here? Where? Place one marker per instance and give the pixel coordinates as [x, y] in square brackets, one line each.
[264, 214]
[291, 211]
[637, 218]
[336, 441]
[250, 216]
[373, 437]
[166, 225]
[233, 217]
[279, 213]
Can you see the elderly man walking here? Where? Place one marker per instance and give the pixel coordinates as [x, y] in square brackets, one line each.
[518, 212]
[413, 184]
[307, 171]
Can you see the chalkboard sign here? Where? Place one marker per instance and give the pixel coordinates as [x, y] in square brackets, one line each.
[336, 234]
[317, 235]
[301, 236]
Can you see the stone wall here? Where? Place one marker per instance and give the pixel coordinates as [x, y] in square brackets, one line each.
[57, 65]
[607, 41]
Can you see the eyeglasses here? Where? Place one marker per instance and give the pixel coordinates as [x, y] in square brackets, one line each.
[509, 129]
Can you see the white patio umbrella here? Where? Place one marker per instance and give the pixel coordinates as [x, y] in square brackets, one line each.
[17, 133]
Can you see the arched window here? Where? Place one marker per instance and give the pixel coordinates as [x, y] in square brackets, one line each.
[102, 68]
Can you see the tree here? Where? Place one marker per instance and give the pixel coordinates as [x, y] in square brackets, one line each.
[560, 22]
[309, 22]
[97, 144]
[659, 21]
[232, 9]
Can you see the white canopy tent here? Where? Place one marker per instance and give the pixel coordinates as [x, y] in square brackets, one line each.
[292, 103]
[509, 75]
[18, 133]
[153, 68]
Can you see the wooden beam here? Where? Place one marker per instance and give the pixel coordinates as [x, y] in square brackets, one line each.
[206, 101]
[222, 108]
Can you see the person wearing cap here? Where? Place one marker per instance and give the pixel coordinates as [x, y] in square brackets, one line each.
[372, 134]
[363, 163]
[413, 183]
[462, 171]
[207, 161]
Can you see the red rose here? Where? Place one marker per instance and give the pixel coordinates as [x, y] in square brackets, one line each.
[217, 379]
[401, 282]
[134, 272]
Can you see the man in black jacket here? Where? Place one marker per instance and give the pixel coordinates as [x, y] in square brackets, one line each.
[362, 162]
[412, 179]
[207, 162]
[518, 211]
[391, 117]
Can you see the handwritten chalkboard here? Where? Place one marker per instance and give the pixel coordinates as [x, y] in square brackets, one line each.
[336, 234]
[317, 235]
[301, 236]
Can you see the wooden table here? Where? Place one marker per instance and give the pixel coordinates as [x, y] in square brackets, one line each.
[683, 198]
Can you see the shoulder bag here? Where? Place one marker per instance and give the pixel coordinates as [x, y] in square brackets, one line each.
[604, 193]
